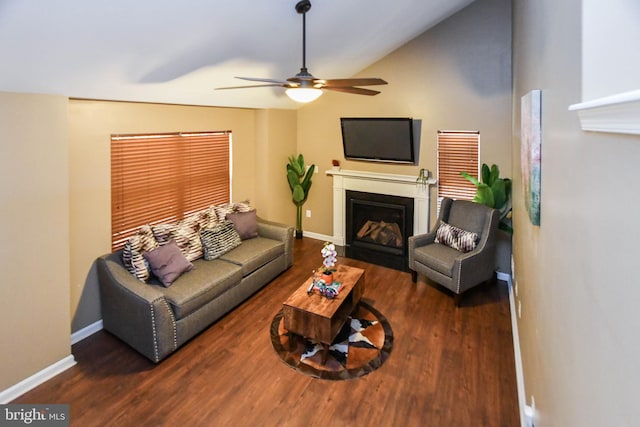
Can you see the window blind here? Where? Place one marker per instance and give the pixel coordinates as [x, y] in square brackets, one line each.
[165, 177]
[458, 151]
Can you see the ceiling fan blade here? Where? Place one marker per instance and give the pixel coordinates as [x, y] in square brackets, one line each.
[244, 87]
[258, 79]
[353, 82]
[354, 90]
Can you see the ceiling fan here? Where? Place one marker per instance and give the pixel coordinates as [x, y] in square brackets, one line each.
[304, 87]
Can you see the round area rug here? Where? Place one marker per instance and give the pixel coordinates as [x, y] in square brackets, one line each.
[362, 346]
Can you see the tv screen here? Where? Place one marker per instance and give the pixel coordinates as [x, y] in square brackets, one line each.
[378, 139]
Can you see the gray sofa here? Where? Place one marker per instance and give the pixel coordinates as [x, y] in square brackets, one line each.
[157, 320]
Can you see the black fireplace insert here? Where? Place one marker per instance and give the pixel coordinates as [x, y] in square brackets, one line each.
[377, 228]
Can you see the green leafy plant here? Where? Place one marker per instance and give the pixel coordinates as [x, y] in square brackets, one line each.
[299, 179]
[494, 192]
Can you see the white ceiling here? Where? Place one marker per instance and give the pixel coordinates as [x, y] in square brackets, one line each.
[177, 52]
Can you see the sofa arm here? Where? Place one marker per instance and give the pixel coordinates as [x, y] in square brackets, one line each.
[134, 311]
[280, 232]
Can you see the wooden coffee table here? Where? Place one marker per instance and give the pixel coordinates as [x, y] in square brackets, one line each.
[319, 318]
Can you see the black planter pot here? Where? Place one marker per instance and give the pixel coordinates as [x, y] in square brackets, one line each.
[298, 234]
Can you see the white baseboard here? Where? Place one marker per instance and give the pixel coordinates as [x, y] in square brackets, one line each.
[36, 379]
[317, 236]
[505, 277]
[86, 331]
[529, 413]
[525, 421]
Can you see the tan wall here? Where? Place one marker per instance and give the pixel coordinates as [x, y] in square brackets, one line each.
[455, 76]
[276, 141]
[575, 272]
[90, 125]
[34, 224]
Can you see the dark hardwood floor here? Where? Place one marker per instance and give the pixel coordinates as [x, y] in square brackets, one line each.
[449, 366]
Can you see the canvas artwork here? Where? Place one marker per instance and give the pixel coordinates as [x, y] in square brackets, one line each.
[530, 152]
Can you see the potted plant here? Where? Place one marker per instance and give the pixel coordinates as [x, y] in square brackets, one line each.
[495, 192]
[299, 179]
[335, 164]
[423, 178]
[329, 255]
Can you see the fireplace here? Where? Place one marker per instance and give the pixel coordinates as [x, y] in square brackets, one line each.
[377, 227]
[369, 183]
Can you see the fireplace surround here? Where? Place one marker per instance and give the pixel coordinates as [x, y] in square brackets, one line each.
[402, 186]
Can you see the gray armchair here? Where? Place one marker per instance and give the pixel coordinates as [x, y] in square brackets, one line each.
[456, 270]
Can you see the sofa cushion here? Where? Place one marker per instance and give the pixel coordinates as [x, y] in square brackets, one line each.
[254, 253]
[134, 248]
[456, 238]
[219, 240]
[167, 263]
[438, 257]
[205, 282]
[246, 223]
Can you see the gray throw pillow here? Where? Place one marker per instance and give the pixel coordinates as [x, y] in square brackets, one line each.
[246, 223]
[167, 263]
[219, 239]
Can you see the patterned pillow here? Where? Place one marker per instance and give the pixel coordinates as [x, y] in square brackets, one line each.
[206, 218]
[184, 233]
[456, 238]
[132, 254]
[223, 210]
[219, 239]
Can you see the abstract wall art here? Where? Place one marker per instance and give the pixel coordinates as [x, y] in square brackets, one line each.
[530, 152]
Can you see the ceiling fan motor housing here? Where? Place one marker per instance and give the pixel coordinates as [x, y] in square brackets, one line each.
[303, 6]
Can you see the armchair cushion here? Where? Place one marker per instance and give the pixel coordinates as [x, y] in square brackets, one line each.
[456, 238]
[438, 257]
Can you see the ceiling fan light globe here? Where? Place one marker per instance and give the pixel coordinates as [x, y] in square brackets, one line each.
[303, 94]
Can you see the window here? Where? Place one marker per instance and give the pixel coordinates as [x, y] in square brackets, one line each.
[166, 177]
[458, 151]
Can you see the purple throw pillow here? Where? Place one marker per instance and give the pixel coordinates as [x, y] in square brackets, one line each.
[168, 262]
[246, 223]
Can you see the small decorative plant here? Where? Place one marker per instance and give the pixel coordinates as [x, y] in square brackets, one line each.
[335, 162]
[494, 192]
[329, 254]
[423, 178]
[299, 179]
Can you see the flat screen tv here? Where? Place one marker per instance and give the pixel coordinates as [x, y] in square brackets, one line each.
[386, 139]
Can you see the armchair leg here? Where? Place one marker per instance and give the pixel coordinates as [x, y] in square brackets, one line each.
[414, 276]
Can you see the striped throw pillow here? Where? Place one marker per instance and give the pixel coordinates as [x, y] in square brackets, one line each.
[219, 239]
[456, 238]
[134, 249]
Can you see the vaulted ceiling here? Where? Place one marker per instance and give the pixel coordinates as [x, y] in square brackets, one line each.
[177, 52]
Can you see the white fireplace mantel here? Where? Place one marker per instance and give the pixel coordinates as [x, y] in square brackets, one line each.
[380, 183]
